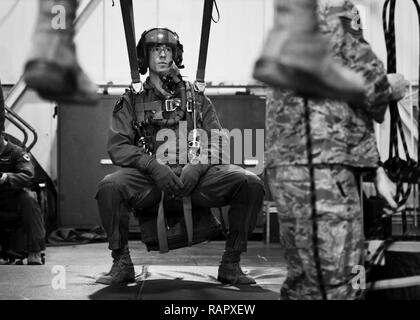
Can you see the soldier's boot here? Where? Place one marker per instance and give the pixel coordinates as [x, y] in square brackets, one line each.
[122, 270]
[52, 69]
[296, 56]
[230, 271]
[35, 258]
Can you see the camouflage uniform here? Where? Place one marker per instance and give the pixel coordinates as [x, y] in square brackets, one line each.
[343, 143]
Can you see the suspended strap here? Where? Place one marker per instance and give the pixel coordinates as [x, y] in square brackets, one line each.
[187, 206]
[161, 227]
[204, 42]
[313, 200]
[218, 213]
[395, 126]
[128, 20]
[417, 5]
[397, 164]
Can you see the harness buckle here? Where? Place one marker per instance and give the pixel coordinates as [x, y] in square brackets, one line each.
[189, 106]
[136, 87]
[170, 105]
[200, 86]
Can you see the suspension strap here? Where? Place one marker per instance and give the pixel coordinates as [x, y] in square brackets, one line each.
[204, 43]
[130, 37]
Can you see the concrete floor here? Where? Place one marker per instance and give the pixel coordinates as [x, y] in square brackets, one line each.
[188, 273]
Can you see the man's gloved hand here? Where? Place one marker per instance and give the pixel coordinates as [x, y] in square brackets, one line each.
[387, 190]
[399, 86]
[190, 176]
[165, 178]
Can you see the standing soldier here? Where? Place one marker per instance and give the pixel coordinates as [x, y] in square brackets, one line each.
[343, 145]
[133, 145]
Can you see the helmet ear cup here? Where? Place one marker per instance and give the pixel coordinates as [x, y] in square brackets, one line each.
[178, 55]
[142, 55]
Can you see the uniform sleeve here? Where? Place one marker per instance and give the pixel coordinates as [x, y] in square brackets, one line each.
[218, 138]
[24, 171]
[121, 139]
[344, 23]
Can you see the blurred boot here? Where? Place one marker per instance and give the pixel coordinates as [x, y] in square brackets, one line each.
[122, 270]
[52, 68]
[35, 258]
[295, 56]
[230, 271]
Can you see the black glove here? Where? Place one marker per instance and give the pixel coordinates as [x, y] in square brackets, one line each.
[165, 178]
[189, 177]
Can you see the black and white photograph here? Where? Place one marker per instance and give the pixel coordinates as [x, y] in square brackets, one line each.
[209, 158]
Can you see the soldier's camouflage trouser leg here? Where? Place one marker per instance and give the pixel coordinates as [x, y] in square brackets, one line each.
[220, 186]
[340, 232]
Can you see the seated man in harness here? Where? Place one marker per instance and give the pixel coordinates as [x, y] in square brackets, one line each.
[16, 174]
[133, 144]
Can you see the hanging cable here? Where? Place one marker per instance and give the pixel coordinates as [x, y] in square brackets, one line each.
[218, 13]
[313, 199]
[9, 13]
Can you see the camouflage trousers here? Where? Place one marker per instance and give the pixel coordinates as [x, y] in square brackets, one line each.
[340, 230]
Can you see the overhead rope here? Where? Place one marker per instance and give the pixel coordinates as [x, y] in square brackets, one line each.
[8, 14]
[400, 171]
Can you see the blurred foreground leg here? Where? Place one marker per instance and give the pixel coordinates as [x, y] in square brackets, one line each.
[52, 69]
[295, 56]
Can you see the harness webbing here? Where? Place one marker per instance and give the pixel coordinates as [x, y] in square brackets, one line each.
[128, 20]
[204, 41]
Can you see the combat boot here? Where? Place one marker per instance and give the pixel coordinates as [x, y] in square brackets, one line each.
[230, 271]
[35, 258]
[296, 56]
[122, 270]
[52, 69]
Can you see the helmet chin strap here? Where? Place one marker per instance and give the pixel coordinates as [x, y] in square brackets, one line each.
[172, 74]
[170, 78]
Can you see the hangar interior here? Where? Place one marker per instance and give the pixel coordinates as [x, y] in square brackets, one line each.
[67, 143]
